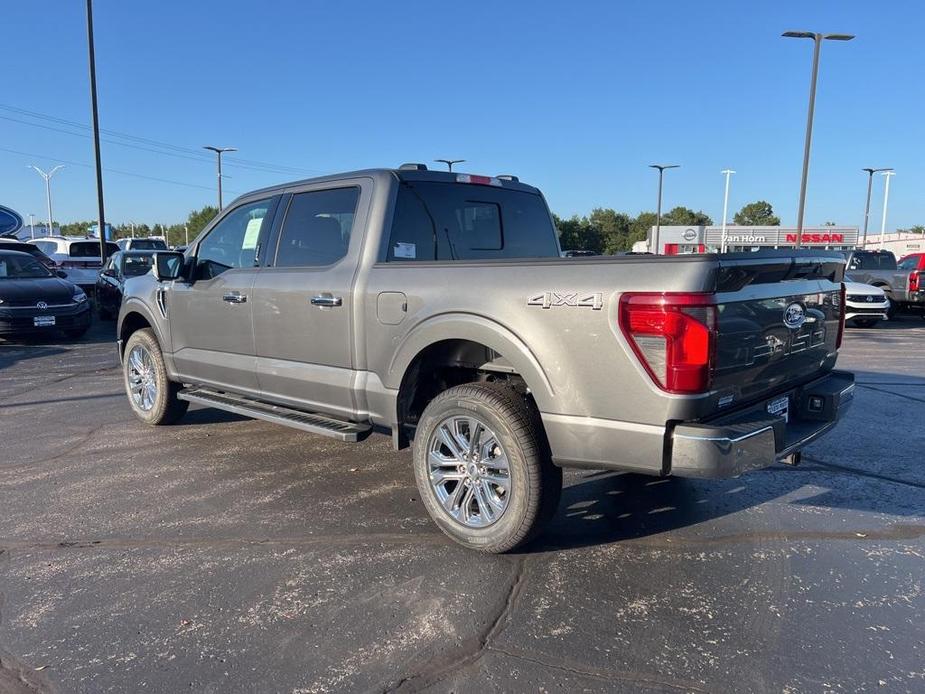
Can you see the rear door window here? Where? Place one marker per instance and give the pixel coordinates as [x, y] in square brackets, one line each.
[317, 228]
[910, 263]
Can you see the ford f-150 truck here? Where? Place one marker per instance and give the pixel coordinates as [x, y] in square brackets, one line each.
[436, 306]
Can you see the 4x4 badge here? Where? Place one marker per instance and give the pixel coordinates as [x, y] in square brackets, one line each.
[593, 301]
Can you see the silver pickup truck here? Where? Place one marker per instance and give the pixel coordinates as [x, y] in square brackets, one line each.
[435, 306]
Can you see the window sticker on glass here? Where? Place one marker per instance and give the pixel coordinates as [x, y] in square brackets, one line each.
[405, 250]
[252, 233]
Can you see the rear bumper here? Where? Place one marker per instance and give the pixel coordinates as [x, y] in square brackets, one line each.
[752, 439]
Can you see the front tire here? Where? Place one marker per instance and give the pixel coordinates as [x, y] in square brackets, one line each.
[483, 467]
[151, 394]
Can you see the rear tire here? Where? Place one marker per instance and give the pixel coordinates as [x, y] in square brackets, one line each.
[510, 488]
[151, 394]
[866, 322]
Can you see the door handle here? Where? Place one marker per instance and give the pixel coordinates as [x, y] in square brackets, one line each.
[327, 300]
[235, 298]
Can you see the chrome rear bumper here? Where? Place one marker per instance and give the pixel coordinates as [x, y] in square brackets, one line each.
[752, 439]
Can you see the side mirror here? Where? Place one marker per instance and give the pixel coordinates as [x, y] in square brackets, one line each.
[61, 273]
[108, 272]
[168, 265]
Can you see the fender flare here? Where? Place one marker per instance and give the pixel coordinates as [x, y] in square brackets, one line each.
[475, 328]
[133, 305]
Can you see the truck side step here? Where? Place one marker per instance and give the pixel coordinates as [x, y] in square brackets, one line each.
[306, 421]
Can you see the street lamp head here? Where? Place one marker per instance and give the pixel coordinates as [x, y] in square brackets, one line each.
[799, 34]
[727, 171]
[888, 173]
[838, 37]
[662, 167]
[220, 150]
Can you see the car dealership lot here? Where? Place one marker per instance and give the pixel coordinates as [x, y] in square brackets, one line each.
[226, 554]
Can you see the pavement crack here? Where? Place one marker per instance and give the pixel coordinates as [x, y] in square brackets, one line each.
[606, 675]
[474, 648]
[890, 392]
[863, 473]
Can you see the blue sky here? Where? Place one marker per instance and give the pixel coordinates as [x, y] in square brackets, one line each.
[574, 97]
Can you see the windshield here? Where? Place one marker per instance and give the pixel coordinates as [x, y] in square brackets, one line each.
[18, 267]
[90, 249]
[135, 265]
[148, 245]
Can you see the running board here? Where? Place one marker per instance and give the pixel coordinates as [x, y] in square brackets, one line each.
[306, 421]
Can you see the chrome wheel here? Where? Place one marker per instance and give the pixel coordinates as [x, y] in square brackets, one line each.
[142, 378]
[469, 471]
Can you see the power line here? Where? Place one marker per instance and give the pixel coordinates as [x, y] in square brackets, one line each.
[191, 153]
[108, 170]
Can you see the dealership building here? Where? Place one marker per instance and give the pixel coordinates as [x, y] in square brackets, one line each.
[676, 240]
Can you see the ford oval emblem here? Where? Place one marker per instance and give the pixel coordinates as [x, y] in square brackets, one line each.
[41, 305]
[794, 316]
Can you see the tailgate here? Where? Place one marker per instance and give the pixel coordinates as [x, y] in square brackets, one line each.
[778, 323]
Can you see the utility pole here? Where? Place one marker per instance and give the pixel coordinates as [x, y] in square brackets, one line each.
[47, 176]
[449, 163]
[658, 211]
[870, 181]
[96, 133]
[886, 199]
[727, 173]
[219, 151]
[817, 39]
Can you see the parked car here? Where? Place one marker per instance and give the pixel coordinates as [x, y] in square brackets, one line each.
[111, 281]
[79, 257]
[577, 253]
[865, 305]
[34, 299]
[10, 244]
[142, 244]
[434, 305]
[876, 268]
[909, 291]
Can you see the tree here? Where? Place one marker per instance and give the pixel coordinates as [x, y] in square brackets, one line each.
[685, 216]
[198, 219]
[77, 228]
[640, 227]
[577, 233]
[613, 227]
[758, 213]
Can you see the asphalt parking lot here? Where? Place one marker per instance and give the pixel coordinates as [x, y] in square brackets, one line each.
[225, 554]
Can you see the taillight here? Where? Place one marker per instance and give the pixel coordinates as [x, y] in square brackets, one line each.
[914, 281]
[843, 309]
[674, 337]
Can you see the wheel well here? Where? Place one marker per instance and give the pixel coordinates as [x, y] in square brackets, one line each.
[443, 365]
[130, 324]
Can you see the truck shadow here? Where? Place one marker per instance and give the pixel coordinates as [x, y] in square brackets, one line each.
[606, 507]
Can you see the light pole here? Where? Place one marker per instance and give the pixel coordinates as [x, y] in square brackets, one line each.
[886, 199]
[96, 133]
[133, 228]
[658, 211]
[31, 225]
[817, 40]
[47, 176]
[219, 151]
[870, 181]
[727, 173]
[449, 163]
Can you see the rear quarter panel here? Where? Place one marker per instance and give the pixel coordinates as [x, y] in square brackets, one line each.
[571, 353]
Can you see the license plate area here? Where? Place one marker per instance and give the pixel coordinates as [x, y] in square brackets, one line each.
[780, 407]
[43, 321]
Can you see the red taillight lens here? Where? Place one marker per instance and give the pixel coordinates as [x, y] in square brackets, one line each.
[914, 281]
[674, 336]
[843, 309]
